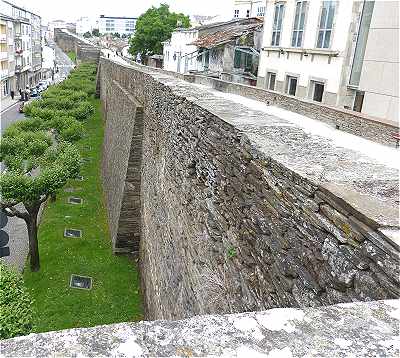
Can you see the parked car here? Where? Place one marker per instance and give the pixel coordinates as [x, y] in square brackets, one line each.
[34, 92]
[43, 84]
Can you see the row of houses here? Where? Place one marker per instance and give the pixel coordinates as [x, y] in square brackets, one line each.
[20, 48]
[342, 53]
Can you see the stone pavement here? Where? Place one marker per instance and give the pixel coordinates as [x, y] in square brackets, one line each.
[15, 250]
[8, 102]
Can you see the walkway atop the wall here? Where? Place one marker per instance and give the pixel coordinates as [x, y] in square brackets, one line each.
[77, 37]
[113, 57]
[363, 173]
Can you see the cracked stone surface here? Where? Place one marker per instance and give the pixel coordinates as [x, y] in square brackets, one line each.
[368, 329]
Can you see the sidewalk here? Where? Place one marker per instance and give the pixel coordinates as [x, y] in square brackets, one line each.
[7, 102]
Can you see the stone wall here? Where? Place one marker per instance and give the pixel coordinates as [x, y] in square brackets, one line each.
[348, 330]
[64, 41]
[87, 53]
[69, 42]
[242, 212]
[121, 165]
[360, 124]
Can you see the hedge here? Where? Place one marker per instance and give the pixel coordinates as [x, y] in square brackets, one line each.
[16, 314]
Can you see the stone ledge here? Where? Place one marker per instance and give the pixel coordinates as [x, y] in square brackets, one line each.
[366, 329]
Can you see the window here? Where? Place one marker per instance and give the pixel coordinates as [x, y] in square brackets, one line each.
[317, 89]
[271, 78]
[358, 101]
[326, 24]
[236, 13]
[277, 25]
[248, 13]
[298, 26]
[291, 85]
[261, 11]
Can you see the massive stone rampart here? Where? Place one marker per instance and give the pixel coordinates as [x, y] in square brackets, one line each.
[242, 210]
[70, 42]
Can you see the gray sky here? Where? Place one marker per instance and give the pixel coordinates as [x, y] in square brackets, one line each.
[70, 10]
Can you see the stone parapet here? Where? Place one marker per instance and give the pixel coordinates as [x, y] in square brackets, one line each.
[367, 329]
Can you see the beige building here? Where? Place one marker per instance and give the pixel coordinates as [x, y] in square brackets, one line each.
[343, 53]
[7, 59]
[375, 73]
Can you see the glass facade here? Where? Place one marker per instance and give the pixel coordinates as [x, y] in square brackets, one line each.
[362, 38]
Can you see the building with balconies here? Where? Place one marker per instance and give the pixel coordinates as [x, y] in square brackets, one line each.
[24, 49]
[343, 53]
[7, 80]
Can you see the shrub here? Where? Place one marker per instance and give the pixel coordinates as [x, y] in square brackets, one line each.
[16, 316]
[83, 111]
[73, 132]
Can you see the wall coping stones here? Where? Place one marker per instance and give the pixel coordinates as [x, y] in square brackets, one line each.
[368, 329]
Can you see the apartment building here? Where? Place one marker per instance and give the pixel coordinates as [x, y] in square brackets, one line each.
[331, 51]
[7, 60]
[83, 25]
[248, 8]
[112, 24]
[36, 38]
[22, 40]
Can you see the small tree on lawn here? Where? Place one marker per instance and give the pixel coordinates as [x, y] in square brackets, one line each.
[154, 27]
[96, 32]
[37, 167]
[87, 34]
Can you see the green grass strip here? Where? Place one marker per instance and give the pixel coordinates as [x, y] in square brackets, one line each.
[72, 55]
[115, 293]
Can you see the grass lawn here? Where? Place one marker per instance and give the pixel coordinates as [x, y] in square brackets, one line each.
[72, 55]
[115, 293]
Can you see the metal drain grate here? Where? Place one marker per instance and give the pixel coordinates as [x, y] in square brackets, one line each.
[74, 200]
[80, 282]
[74, 233]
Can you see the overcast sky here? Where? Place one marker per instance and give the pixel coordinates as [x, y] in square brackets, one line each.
[71, 10]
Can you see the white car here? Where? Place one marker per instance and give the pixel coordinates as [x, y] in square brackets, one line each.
[43, 84]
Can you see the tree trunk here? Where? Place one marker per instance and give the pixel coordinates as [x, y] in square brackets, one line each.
[33, 240]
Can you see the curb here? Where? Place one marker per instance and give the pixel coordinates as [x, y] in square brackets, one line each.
[11, 105]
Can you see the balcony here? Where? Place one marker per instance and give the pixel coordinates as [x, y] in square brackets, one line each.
[3, 55]
[20, 68]
[3, 38]
[3, 74]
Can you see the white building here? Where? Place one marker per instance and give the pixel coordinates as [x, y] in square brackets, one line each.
[83, 25]
[178, 54]
[248, 8]
[56, 24]
[112, 24]
[312, 49]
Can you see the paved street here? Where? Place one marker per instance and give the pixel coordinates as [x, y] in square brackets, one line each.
[13, 234]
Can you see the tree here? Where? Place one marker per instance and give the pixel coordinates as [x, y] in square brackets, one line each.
[87, 34]
[96, 32]
[36, 168]
[154, 27]
[116, 35]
